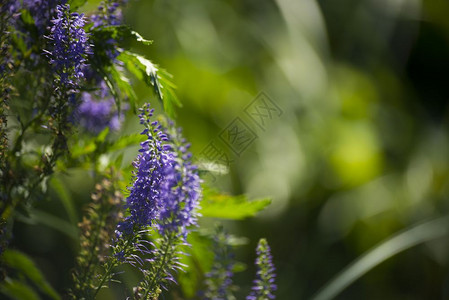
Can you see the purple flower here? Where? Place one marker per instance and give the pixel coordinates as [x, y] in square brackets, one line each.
[70, 46]
[150, 164]
[42, 11]
[98, 111]
[166, 188]
[264, 283]
[164, 195]
[180, 191]
[219, 280]
[109, 13]
[9, 7]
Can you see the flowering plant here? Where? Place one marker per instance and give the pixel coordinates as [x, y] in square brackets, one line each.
[65, 81]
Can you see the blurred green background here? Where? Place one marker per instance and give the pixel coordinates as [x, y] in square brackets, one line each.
[359, 152]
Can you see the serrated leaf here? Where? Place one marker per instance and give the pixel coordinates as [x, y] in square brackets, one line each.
[124, 86]
[158, 80]
[121, 33]
[140, 39]
[168, 90]
[216, 205]
[23, 264]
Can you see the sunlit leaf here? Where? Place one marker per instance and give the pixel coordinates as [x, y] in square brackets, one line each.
[121, 33]
[74, 4]
[217, 205]
[123, 84]
[158, 79]
[82, 148]
[102, 135]
[26, 17]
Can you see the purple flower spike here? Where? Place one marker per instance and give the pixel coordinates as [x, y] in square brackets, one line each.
[166, 188]
[164, 196]
[42, 11]
[219, 279]
[264, 285]
[180, 191]
[150, 164]
[70, 46]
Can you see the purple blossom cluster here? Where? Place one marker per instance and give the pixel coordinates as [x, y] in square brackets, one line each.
[9, 7]
[150, 163]
[264, 285]
[180, 191]
[109, 13]
[70, 46]
[95, 115]
[42, 12]
[98, 110]
[166, 188]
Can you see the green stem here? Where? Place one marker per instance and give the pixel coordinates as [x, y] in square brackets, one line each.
[111, 266]
[152, 287]
[114, 263]
[87, 271]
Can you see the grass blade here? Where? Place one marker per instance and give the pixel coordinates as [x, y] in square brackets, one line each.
[401, 241]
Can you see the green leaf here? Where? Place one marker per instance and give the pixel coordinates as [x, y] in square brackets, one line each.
[102, 136]
[139, 38]
[198, 261]
[126, 141]
[18, 290]
[58, 186]
[18, 41]
[75, 4]
[404, 240]
[23, 264]
[55, 223]
[168, 89]
[212, 167]
[157, 79]
[26, 17]
[121, 33]
[216, 205]
[82, 148]
[123, 84]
